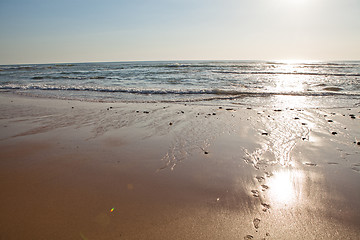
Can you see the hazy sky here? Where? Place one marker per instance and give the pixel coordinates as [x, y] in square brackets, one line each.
[47, 31]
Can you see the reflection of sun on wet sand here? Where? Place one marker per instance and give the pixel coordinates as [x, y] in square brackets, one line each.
[77, 170]
[285, 187]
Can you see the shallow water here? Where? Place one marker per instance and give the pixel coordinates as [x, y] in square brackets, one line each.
[235, 82]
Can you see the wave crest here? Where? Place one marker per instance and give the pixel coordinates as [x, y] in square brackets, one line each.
[219, 92]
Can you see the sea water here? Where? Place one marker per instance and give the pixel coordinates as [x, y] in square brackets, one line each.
[254, 83]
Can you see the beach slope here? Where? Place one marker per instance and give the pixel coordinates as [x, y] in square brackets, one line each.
[92, 170]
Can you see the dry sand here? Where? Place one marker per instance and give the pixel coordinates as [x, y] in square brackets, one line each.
[82, 170]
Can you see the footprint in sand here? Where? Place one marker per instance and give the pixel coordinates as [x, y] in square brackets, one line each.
[265, 187]
[260, 178]
[266, 206]
[255, 193]
[256, 222]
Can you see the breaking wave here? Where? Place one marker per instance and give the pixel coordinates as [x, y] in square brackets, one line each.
[326, 92]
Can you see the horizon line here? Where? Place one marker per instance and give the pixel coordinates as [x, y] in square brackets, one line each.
[189, 60]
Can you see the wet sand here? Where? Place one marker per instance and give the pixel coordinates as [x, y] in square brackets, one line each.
[82, 170]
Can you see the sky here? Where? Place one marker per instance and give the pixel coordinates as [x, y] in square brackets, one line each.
[46, 31]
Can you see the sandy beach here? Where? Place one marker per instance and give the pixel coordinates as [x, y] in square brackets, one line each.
[92, 170]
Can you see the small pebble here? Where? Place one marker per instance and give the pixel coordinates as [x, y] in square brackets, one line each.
[333, 133]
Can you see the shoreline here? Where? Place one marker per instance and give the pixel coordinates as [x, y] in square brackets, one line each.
[92, 170]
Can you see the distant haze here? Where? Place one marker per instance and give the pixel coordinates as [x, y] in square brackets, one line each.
[43, 31]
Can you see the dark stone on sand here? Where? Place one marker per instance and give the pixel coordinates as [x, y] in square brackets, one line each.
[264, 133]
[248, 108]
[353, 117]
[214, 113]
[330, 120]
[110, 107]
[358, 143]
[296, 118]
[72, 107]
[303, 139]
[182, 111]
[277, 110]
[205, 152]
[333, 133]
[137, 111]
[146, 112]
[229, 109]
[248, 237]
[303, 124]
[170, 123]
[220, 107]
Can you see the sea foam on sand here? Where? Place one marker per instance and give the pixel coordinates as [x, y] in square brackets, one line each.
[82, 170]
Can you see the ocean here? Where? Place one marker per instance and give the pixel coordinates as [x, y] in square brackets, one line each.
[253, 83]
